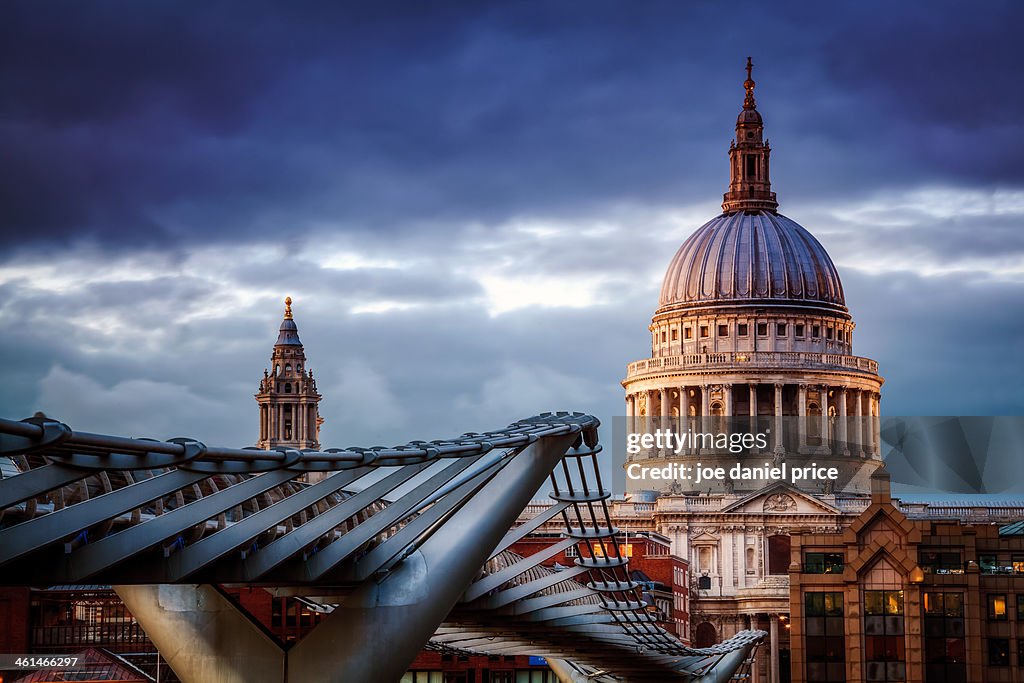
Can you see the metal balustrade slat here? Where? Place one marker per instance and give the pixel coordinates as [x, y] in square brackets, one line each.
[338, 551]
[274, 554]
[95, 557]
[215, 546]
[34, 534]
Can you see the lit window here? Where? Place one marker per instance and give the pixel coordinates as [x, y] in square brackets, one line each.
[675, 334]
[703, 330]
[823, 563]
[723, 330]
[884, 641]
[688, 332]
[997, 607]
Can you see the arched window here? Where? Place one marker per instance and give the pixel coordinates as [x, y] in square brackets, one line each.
[778, 554]
[288, 367]
[705, 635]
[288, 388]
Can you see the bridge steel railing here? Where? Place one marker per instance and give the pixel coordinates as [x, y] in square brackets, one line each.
[405, 546]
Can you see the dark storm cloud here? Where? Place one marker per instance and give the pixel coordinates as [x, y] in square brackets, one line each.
[159, 123]
[473, 204]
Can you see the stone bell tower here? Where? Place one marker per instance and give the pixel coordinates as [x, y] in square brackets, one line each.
[750, 185]
[288, 399]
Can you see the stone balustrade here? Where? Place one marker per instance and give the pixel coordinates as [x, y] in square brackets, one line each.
[741, 360]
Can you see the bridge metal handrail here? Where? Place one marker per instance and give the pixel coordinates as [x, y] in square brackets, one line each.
[164, 505]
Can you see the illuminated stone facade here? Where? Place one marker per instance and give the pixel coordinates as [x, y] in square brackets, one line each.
[288, 399]
[751, 321]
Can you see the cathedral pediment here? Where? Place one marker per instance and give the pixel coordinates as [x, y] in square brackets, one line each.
[780, 498]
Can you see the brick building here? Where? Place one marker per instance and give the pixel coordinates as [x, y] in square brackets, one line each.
[893, 598]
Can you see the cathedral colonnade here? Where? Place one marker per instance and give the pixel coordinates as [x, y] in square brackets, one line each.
[838, 409]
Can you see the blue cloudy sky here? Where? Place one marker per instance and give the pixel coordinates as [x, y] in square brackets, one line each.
[473, 204]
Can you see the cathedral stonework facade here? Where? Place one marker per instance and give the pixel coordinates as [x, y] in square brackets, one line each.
[288, 398]
[751, 321]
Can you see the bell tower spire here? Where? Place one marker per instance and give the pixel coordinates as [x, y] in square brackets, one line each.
[750, 187]
[288, 398]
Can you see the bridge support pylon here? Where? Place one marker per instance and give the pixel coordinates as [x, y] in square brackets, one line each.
[376, 633]
[202, 636]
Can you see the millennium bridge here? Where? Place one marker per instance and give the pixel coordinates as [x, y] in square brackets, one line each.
[407, 547]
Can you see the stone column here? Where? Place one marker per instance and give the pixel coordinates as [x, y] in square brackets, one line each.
[705, 404]
[778, 418]
[773, 634]
[869, 428]
[651, 416]
[824, 445]
[841, 436]
[859, 421]
[755, 667]
[630, 412]
[728, 550]
[664, 411]
[727, 397]
[753, 399]
[801, 411]
[876, 423]
[684, 412]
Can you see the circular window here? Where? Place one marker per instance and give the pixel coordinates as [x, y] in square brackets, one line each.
[750, 134]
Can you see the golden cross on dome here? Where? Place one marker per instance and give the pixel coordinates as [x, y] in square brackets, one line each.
[287, 308]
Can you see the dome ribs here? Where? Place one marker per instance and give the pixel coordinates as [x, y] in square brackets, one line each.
[747, 256]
